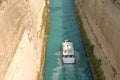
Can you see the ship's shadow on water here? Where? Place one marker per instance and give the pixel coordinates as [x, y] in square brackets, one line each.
[68, 71]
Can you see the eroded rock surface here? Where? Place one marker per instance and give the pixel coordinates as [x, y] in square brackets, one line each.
[18, 18]
[101, 20]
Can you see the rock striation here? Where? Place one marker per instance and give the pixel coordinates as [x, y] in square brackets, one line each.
[101, 20]
[21, 38]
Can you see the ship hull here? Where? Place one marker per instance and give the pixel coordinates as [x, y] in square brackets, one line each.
[68, 60]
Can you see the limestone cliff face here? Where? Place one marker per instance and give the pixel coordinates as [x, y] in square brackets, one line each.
[17, 16]
[101, 19]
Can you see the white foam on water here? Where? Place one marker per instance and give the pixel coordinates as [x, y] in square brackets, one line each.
[68, 71]
[63, 70]
[57, 71]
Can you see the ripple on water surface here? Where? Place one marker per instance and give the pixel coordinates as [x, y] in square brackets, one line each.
[63, 25]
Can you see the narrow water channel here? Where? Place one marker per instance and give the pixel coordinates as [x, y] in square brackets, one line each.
[63, 25]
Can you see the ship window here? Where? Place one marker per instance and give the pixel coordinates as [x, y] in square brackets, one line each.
[64, 56]
[70, 55]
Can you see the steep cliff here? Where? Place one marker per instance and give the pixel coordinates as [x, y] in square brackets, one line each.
[21, 38]
[101, 20]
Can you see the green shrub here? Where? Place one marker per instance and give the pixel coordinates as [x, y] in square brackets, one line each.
[93, 61]
[45, 24]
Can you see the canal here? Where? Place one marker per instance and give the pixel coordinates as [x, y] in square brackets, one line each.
[63, 25]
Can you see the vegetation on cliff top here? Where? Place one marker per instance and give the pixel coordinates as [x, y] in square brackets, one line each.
[45, 25]
[93, 61]
[46, 19]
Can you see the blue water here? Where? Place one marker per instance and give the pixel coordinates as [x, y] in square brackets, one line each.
[63, 25]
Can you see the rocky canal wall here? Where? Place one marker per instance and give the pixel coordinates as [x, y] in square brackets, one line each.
[21, 38]
[101, 20]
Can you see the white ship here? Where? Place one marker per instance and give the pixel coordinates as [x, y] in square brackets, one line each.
[68, 54]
